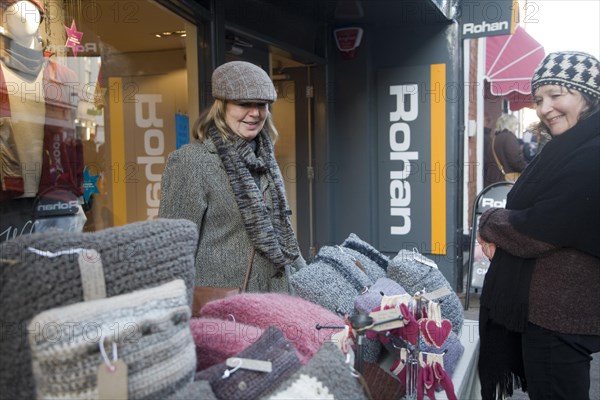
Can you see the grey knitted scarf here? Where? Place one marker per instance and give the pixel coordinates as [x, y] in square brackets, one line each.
[274, 238]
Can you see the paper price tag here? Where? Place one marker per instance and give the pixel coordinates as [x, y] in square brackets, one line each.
[424, 260]
[384, 315]
[92, 275]
[112, 383]
[395, 301]
[248, 363]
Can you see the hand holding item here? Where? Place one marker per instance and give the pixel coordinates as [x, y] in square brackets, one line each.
[489, 249]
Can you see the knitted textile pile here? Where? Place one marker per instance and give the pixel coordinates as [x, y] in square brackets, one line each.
[326, 376]
[217, 339]
[246, 384]
[136, 256]
[295, 317]
[149, 328]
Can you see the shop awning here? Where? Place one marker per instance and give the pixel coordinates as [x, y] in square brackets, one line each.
[510, 63]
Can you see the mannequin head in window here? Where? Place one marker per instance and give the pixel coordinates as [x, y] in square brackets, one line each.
[21, 21]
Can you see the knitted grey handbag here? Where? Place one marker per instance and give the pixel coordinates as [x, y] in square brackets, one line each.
[135, 256]
[367, 252]
[332, 280]
[148, 329]
[416, 273]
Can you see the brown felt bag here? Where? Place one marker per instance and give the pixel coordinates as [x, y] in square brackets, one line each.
[204, 294]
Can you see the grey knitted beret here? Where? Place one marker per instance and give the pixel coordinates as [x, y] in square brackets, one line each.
[571, 69]
[326, 376]
[149, 327]
[366, 302]
[242, 81]
[245, 384]
[135, 256]
[332, 280]
[414, 276]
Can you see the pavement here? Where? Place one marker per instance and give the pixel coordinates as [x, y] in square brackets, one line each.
[473, 313]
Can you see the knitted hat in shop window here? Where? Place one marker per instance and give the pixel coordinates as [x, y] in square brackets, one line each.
[149, 328]
[571, 69]
[243, 82]
[296, 317]
[416, 273]
[246, 384]
[218, 339]
[41, 271]
[326, 376]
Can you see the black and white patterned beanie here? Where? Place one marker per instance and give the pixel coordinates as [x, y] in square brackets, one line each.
[571, 69]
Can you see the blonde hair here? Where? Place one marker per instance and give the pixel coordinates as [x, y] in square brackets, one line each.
[215, 115]
[507, 122]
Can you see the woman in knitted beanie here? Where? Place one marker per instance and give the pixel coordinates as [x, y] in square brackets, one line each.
[539, 319]
[229, 184]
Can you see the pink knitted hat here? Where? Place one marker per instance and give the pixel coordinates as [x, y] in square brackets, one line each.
[297, 318]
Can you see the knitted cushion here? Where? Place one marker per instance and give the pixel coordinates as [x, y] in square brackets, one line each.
[134, 256]
[357, 244]
[415, 276]
[326, 376]
[332, 280]
[296, 317]
[218, 339]
[248, 384]
[150, 328]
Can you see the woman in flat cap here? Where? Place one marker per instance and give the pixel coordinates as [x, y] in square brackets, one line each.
[227, 181]
[540, 311]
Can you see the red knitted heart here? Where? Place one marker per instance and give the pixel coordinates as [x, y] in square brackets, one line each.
[438, 333]
[424, 333]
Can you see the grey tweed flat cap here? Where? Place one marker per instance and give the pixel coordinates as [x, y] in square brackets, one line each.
[242, 81]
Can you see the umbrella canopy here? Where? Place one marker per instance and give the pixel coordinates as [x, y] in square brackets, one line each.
[510, 63]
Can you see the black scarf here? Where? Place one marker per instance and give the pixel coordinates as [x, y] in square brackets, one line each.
[556, 201]
[273, 238]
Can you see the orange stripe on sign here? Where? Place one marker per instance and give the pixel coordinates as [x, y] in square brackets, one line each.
[438, 159]
[117, 150]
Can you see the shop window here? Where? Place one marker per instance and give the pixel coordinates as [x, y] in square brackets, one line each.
[94, 95]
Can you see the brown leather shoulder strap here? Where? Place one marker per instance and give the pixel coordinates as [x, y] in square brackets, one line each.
[248, 269]
[500, 167]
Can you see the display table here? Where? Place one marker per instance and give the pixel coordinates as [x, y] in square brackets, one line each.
[465, 377]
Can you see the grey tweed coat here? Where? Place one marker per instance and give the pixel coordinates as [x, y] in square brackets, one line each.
[196, 187]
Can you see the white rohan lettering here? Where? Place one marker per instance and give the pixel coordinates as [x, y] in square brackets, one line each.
[407, 110]
[471, 28]
[146, 117]
[493, 203]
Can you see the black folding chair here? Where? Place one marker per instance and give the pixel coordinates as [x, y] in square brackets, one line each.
[492, 196]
